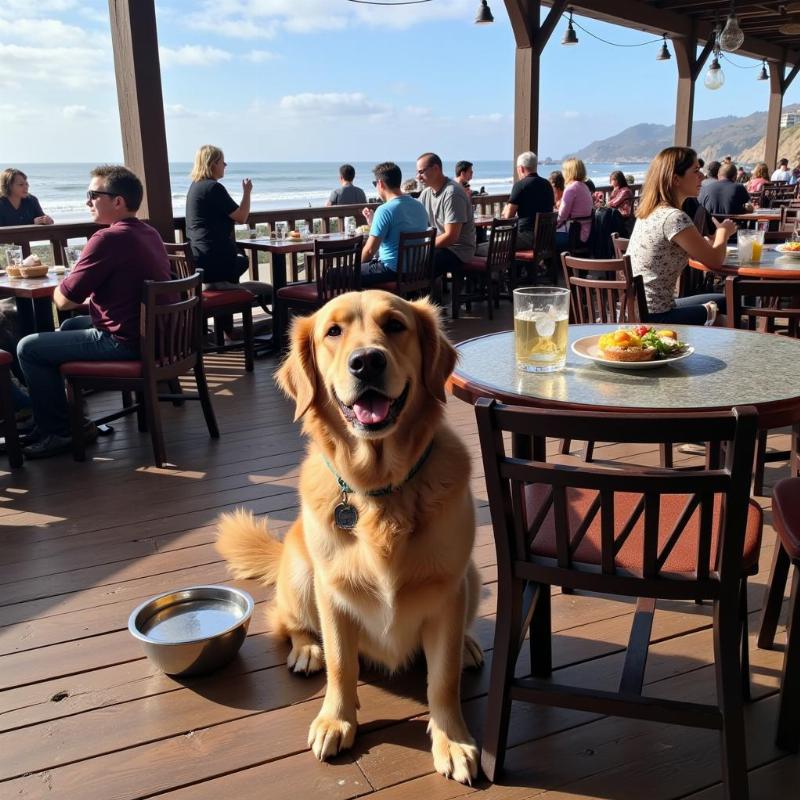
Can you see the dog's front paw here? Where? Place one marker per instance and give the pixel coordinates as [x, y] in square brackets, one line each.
[328, 736]
[305, 658]
[472, 654]
[456, 760]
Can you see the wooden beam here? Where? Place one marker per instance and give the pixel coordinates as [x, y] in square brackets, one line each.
[787, 81]
[141, 106]
[776, 72]
[526, 100]
[524, 18]
[546, 31]
[685, 49]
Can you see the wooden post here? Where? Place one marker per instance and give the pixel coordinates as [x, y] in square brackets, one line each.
[530, 38]
[689, 66]
[778, 84]
[141, 107]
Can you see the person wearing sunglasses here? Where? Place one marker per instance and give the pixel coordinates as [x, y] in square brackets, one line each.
[110, 275]
[450, 212]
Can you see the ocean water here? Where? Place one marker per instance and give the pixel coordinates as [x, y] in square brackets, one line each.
[61, 188]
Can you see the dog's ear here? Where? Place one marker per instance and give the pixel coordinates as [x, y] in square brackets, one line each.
[297, 376]
[438, 355]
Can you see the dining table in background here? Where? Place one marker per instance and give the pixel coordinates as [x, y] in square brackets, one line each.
[279, 249]
[729, 367]
[772, 265]
[34, 300]
[756, 215]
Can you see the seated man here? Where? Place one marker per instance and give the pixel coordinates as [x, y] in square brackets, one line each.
[529, 195]
[725, 196]
[400, 213]
[450, 212]
[111, 273]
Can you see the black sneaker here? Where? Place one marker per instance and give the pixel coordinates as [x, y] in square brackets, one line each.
[50, 445]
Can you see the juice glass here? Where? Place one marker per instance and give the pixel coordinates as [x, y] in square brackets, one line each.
[749, 245]
[541, 319]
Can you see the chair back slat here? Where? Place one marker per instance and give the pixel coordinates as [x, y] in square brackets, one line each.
[338, 267]
[604, 290]
[544, 235]
[502, 244]
[662, 506]
[180, 259]
[415, 262]
[619, 244]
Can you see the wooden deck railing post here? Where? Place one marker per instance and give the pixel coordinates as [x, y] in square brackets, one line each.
[778, 84]
[141, 106]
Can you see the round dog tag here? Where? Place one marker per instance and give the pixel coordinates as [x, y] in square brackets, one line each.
[345, 516]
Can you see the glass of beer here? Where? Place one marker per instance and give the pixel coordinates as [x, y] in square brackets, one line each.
[541, 318]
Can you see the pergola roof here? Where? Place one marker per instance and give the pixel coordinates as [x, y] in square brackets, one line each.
[686, 18]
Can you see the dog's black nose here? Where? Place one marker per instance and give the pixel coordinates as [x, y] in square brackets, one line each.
[367, 363]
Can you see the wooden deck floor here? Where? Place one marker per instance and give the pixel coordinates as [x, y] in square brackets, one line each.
[84, 715]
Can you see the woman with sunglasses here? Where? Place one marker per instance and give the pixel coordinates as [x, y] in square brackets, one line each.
[211, 214]
[17, 206]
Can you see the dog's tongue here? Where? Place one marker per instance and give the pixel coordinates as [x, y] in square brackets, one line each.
[371, 408]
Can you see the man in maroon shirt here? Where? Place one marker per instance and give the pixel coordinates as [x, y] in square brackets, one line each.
[110, 273]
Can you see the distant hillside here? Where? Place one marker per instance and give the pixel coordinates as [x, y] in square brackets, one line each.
[740, 137]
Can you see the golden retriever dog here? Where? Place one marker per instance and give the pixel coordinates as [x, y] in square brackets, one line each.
[379, 561]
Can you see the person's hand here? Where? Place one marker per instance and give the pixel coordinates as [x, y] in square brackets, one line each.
[367, 213]
[43, 220]
[728, 226]
[247, 186]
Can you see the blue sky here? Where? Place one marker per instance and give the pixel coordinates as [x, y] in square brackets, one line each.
[319, 80]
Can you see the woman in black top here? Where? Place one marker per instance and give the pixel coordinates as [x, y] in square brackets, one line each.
[210, 216]
[17, 207]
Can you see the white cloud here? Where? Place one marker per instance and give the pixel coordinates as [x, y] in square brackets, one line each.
[260, 56]
[180, 111]
[192, 55]
[80, 112]
[332, 104]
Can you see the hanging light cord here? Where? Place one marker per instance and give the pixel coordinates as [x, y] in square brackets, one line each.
[605, 41]
[738, 66]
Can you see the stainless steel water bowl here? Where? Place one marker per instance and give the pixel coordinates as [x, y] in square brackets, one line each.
[192, 631]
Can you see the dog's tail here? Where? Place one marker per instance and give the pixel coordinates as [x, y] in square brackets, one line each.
[247, 545]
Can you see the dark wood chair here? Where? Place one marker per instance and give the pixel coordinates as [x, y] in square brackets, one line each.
[597, 297]
[171, 328]
[619, 244]
[576, 247]
[218, 304]
[543, 255]
[334, 269]
[637, 532]
[485, 274]
[415, 276]
[7, 412]
[786, 519]
[771, 307]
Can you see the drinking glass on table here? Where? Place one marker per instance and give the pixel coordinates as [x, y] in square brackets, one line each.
[73, 253]
[749, 245]
[13, 255]
[280, 227]
[541, 320]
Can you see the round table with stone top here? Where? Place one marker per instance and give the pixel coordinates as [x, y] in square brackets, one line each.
[729, 367]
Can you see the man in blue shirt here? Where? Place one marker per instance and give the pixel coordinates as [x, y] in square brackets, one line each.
[400, 213]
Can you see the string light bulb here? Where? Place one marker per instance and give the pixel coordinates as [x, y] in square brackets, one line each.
[570, 37]
[664, 54]
[763, 75]
[715, 77]
[484, 15]
[732, 36]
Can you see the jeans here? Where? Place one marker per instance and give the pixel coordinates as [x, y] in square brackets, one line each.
[689, 310]
[40, 356]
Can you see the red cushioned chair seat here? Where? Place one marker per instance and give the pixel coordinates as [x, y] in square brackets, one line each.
[305, 292]
[786, 514]
[524, 255]
[681, 560]
[5, 358]
[213, 298]
[475, 264]
[102, 369]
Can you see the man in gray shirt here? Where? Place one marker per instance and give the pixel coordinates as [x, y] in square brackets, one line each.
[450, 212]
[346, 193]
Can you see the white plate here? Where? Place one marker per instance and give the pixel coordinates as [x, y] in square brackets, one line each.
[779, 248]
[588, 347]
